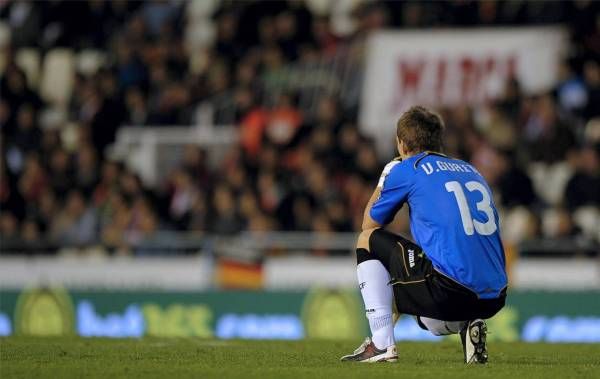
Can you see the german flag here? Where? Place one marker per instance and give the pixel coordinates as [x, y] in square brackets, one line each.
[234, 274]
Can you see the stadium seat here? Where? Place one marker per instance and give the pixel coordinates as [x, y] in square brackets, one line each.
[58, 76]
[200, 31]
[549, 181]
[29, 61]
[321, 7]
[197, 10]
[550, 222]
[4, 40]
[52, 118]
[90, 61]
[516, 224]
[587, 218]
[4, 35]
[592, 131]
[199, 35]
[2, 61]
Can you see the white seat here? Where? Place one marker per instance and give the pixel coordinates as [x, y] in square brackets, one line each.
[587, 218]
[58, 74]
[324, 7]
[537, 173]
[52, 118]
[517, 224]
[592, 131]
[196, 10]
[4, 42]
[200, 29]
[199, 35]
[29, 61]
[558, 177]
[2, 61]
[550, 222]
[549, 181]
[90, 61]
[5, 35]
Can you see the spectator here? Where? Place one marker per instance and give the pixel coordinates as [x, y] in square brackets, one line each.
[183, 196]
[137, 110]
[27, 135]
[33, 181]
[514, 185]
[549, 138]
[283, 122]
[9, 228]
[225, 220]
[31, 238]
[76, 224]
[62, 178]
[592, 82]
[583, 187]
[86, 169]
[302, 162]
[48, 208]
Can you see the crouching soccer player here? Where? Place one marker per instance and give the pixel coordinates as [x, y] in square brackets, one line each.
[454, 277]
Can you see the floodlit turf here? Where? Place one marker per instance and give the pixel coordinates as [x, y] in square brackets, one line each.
[197, 358]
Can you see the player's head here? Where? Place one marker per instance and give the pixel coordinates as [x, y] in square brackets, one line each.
[419, 129]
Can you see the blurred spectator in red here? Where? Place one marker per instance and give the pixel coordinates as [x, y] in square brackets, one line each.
[283, 122]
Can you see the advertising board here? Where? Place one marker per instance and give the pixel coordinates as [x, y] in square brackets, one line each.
[319, 313]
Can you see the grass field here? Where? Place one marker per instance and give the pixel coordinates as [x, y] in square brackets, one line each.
[196, 358]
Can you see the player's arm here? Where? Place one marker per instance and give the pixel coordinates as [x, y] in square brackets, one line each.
[389, 196]
[368, 222]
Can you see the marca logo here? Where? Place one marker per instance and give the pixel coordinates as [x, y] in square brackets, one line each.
[411, 258]
[362, 285]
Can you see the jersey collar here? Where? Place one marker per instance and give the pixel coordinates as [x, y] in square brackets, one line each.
[419, 157]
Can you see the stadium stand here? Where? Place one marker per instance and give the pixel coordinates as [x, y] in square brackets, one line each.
[286, 76]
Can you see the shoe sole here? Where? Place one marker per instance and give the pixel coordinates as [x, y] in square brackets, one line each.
[374, 359]
[477, 333]
[378, 358]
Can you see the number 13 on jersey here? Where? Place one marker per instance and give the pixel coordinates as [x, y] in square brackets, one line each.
[471, 225]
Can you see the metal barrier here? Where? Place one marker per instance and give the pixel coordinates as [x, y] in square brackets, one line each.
[254, 246]
[153, 151]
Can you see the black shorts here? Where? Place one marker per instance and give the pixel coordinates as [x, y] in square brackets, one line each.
[420, 290]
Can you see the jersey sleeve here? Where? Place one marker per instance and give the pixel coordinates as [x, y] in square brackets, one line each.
[394, 184]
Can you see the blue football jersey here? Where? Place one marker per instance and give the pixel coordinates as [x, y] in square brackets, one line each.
[452, 217]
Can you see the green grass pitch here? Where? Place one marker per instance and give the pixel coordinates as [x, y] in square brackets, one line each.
[22, 357]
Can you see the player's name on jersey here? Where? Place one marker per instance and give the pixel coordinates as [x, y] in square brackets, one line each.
[429, 168]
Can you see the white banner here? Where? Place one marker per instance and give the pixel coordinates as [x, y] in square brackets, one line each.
[164, 273]
[196, 273]
[451, 67]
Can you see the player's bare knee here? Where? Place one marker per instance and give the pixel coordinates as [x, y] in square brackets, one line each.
[362, 246]
[363, 239]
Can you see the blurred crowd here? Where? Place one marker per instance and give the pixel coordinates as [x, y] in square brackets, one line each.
[296, 167]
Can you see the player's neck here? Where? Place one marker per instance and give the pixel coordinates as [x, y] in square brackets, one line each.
[408, 154]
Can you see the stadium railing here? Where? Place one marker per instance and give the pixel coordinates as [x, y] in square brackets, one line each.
[153, 151]
[269, 260]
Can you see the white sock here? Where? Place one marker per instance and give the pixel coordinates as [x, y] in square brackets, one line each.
[442, 328]
[377, 294]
